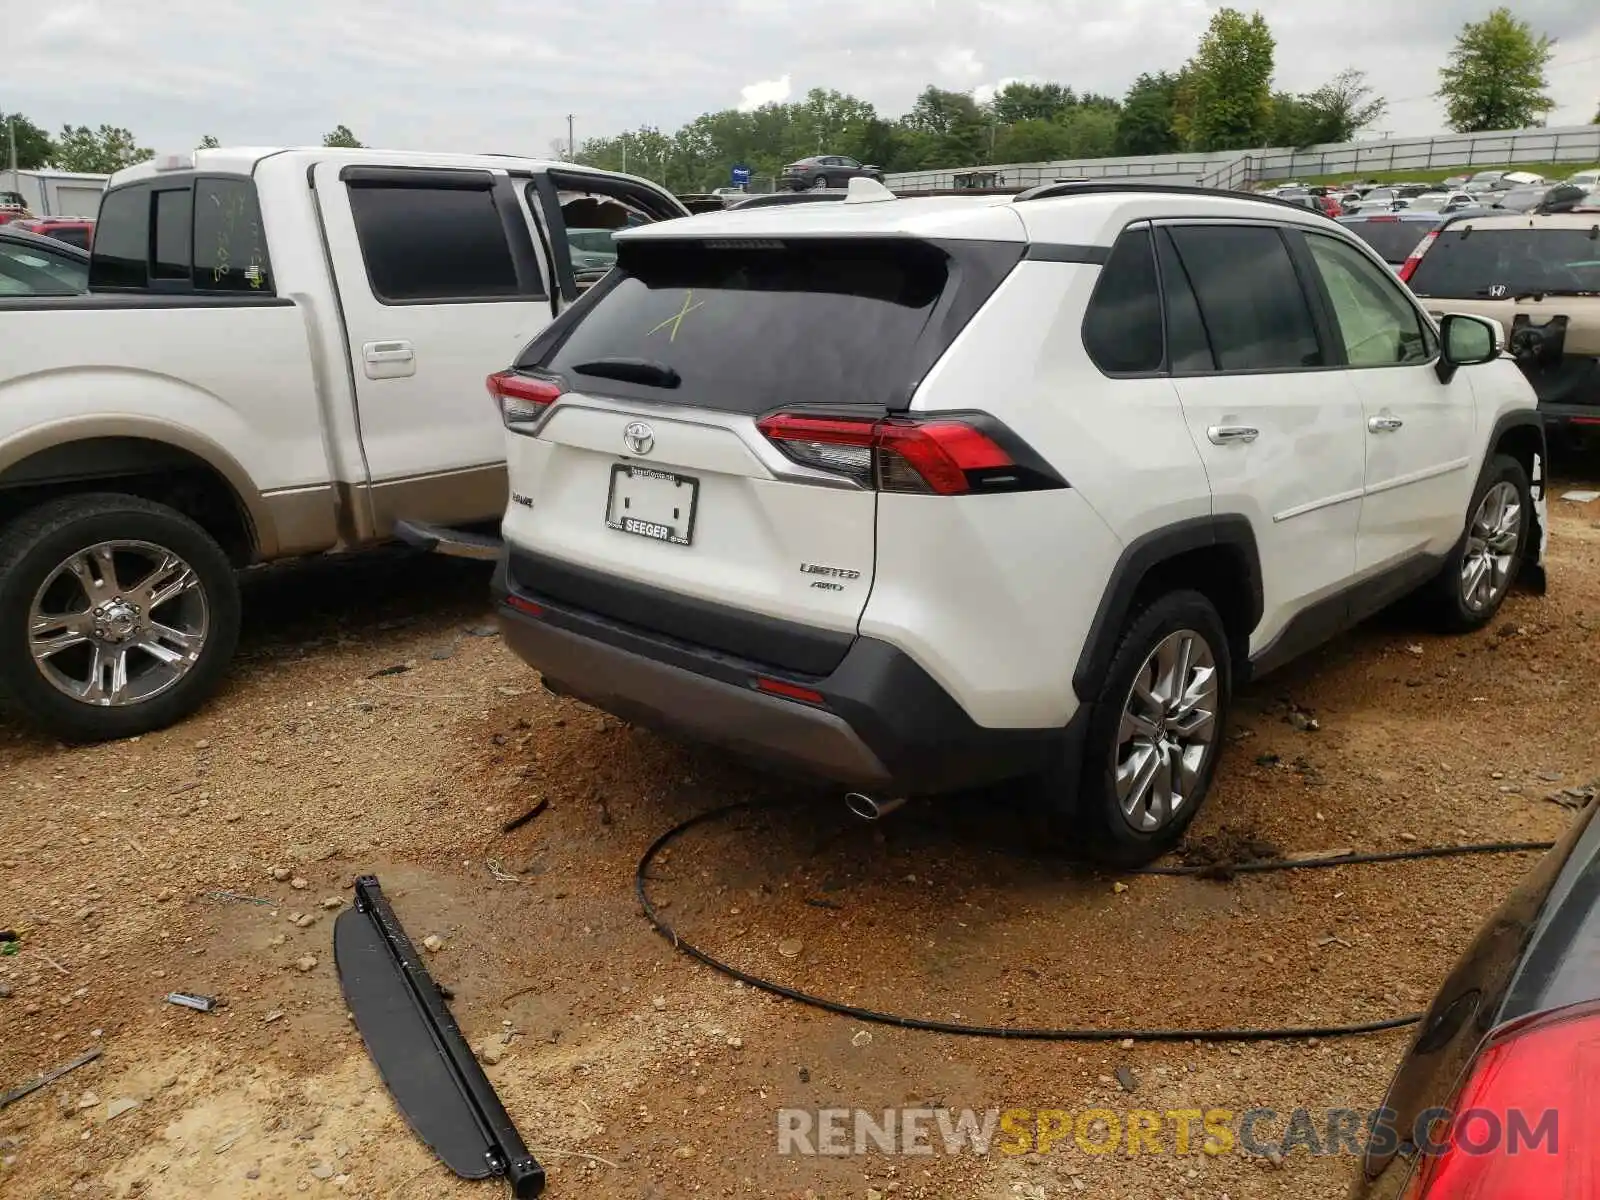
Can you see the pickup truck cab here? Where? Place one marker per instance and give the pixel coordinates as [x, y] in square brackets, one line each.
[281, 352]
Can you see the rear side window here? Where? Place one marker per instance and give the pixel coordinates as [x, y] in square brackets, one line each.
[230, 251]
[122, 240]
[1188, 347]
[1467, 263]
[1250, 297]
[749, 327]
[1122, 325]
[71, 236]
[426, 244]
[1393, 239]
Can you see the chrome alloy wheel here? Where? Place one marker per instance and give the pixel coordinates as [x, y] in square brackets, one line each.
[1168, 729]
[118, 623]
[1491, 547]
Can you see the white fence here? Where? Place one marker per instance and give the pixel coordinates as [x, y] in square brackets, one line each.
[1575, 144]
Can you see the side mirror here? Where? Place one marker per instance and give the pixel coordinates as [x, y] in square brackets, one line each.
[1466, 341]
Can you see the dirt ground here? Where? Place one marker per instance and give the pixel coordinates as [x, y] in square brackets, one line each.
[636, 1072]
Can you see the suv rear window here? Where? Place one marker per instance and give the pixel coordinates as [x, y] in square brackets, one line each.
[1469, 263]
[752, 325]
[1394, 240]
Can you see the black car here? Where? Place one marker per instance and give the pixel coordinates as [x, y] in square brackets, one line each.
[1562, 197]
[1499, 1093]
[826, 171]
[31, 265]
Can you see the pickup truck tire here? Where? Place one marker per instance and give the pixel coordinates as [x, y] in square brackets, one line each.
[1480, 571]
[117, 616]
[1155, 735]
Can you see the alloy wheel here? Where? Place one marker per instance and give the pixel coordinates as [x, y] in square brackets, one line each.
[118, 623]
[1491, 547]
[1168, 731]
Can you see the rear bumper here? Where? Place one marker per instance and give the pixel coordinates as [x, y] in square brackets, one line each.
[882, 722]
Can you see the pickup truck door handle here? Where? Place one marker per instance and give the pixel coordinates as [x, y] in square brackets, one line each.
[1222, 435]
[388, 360]
[1384, 424]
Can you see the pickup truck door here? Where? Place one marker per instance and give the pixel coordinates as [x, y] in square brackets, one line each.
[441, 281]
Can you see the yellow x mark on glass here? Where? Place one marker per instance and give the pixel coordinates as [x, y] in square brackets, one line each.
[676, 320]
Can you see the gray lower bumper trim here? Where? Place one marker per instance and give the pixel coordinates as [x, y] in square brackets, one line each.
[653, 693]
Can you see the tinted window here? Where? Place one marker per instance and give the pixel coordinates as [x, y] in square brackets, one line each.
[230, 252]
[78, 237]
[432, 243]
[33, 271]
[1122, 327]
[122, 240]
[1466, 263]
[750, 329]
[1250, 297]
[1188, 348]
[174, 222]
[1394, 240]
[1377, 325]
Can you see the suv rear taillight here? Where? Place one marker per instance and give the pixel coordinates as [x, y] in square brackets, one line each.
[521, 400]
[1524, 1119]
[1409, 267]
[939, 455]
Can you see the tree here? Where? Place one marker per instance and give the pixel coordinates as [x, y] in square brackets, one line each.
[1340, 109]
[1144, 126]
[947, 129]
[1232, 83]
[34, 147]
[1031, 102]
[342, 138]
[98, 151]
[208, 142]
[1494, 78]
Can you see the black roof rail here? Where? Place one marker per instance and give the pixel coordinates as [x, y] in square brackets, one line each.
[1049, 191]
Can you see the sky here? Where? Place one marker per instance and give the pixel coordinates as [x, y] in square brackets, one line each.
[502, 76]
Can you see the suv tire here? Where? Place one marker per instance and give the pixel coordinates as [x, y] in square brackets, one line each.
[1151, 748]
[1478, 574]
[103, 559]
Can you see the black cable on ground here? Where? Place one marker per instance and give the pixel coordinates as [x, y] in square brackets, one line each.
[1042, 1034]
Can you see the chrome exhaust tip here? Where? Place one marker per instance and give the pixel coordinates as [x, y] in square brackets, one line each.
[868, 808]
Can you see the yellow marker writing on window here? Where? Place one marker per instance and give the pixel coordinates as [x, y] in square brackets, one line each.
[676, 320]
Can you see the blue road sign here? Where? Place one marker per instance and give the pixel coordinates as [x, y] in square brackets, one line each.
[741, 176]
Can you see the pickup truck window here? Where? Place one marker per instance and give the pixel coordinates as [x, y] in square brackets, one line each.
[173, 223]
[122, 240]
[425, 243]
[230, 251]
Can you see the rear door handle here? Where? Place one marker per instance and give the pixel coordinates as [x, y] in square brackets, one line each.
[388, 360]
[1222, 435]
[1384, 424]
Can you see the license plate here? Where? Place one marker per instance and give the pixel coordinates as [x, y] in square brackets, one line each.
[653, 504]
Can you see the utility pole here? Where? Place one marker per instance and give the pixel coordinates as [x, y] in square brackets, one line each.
[11, 134]
[624, 154]
[572, 147]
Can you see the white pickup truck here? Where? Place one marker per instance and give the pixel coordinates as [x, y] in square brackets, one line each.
[282, 352]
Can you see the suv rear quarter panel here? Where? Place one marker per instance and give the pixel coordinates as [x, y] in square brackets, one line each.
[994, 595]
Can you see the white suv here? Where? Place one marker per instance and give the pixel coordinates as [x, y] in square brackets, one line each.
[928, 493]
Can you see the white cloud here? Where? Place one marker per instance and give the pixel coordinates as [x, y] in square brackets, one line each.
[503, 75]
[767, 91]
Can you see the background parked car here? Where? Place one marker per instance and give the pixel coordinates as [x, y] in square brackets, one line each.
[1508, 1037]
[1587, 180]
[31, 265]
[1442, 202]
[826, 171]
[1393, 235]
[1541, 198]
[13, 207]
[74, 231]
[1539, 276]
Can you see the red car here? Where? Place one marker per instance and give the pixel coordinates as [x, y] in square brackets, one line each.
[74, 231]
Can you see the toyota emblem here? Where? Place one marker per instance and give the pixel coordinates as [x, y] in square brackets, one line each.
[639, 437]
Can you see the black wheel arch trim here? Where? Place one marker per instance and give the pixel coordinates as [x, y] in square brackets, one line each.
[1532, 572]
[1142, 555]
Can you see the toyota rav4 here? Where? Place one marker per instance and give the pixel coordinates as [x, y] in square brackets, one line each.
[931, 493]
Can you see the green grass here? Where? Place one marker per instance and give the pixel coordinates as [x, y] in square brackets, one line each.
[1552, 171]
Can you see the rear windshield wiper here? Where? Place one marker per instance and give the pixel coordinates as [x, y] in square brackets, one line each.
[632, 370]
